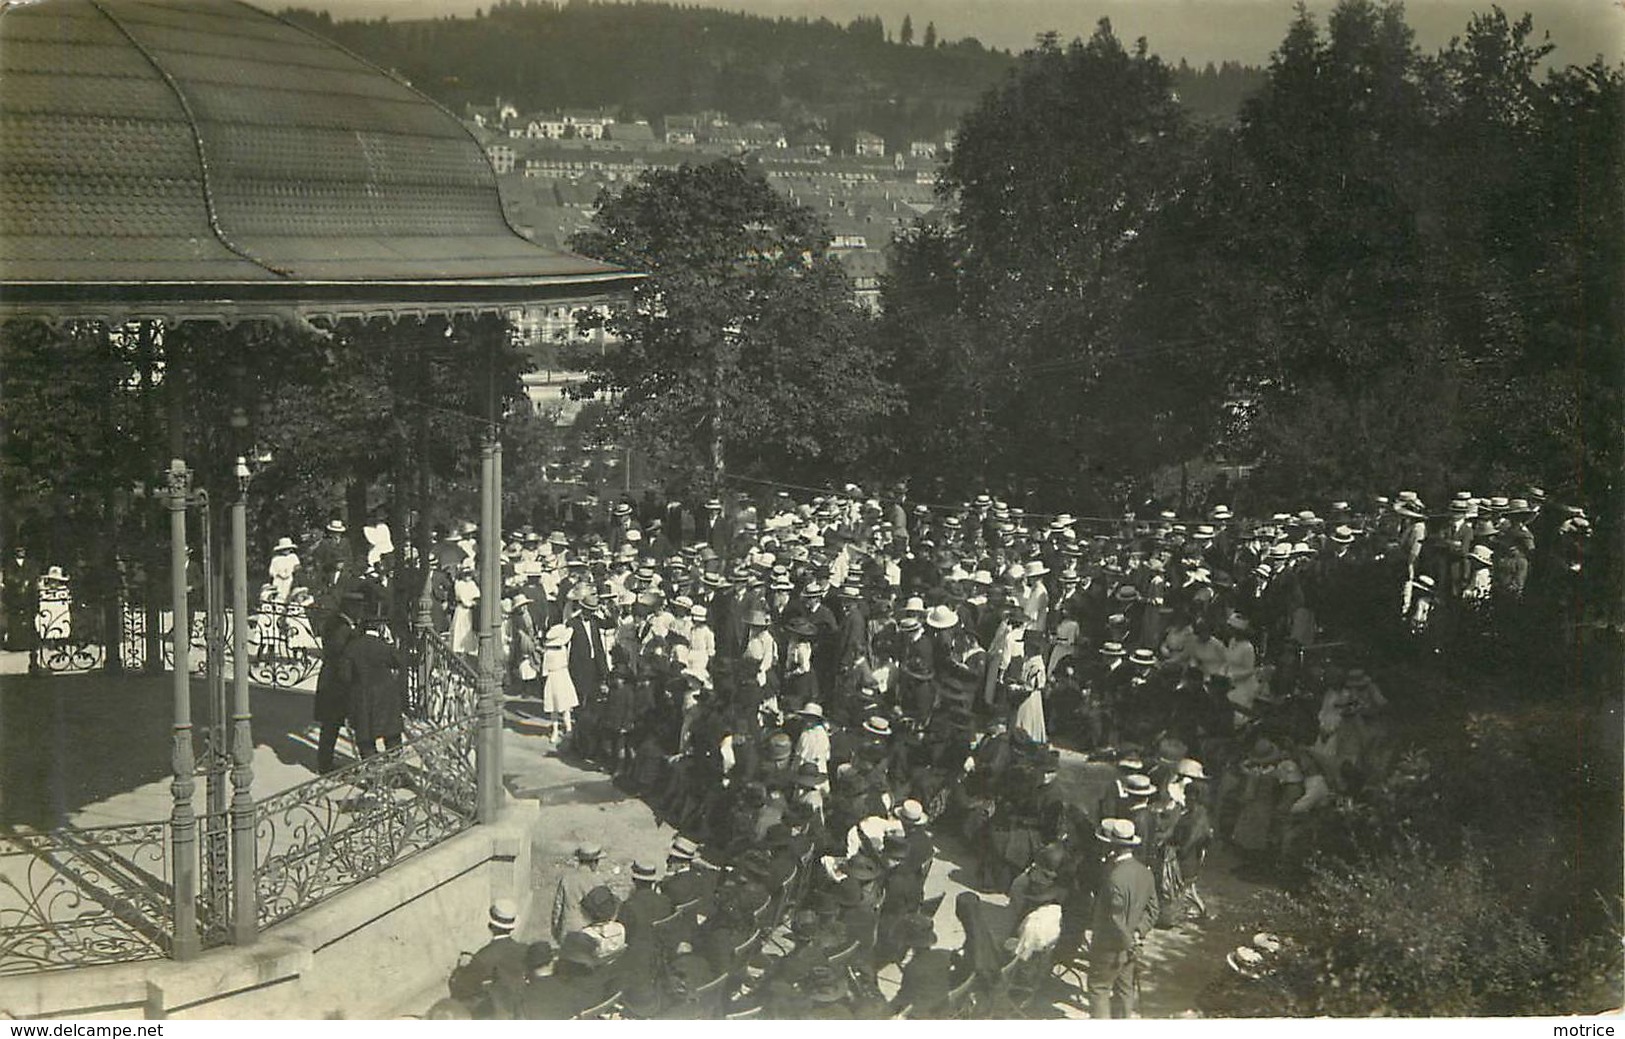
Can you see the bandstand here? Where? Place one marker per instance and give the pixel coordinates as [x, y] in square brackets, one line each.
[207, 162]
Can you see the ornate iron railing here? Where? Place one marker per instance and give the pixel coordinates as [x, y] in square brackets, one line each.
[440, 686]
[80, 898]
[283, 650]
[323, 837]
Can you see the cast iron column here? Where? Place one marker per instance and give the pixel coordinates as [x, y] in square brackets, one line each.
[183, 818]
[489, 709]
[244, 903]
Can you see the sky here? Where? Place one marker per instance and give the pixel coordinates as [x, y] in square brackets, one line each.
[1197, 30]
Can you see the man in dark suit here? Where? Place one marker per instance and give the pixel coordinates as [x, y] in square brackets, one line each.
[1125, 909]
[589, 659]
[332, 696]
[683, 882]
[373, 678]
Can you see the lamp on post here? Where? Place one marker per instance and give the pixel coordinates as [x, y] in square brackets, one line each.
[178, 496]
[244, 904]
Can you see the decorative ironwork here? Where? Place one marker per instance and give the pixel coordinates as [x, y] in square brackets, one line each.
[69, 634]
[80, 898]
[441, 688]
[198, 640]
[323, 837]
[282, 646]
[133, 636]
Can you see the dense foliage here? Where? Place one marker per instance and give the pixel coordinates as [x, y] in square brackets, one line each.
[744, 348]
[1395, 268]
[363, 420]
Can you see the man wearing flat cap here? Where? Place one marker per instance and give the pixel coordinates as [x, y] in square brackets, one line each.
[569, 912]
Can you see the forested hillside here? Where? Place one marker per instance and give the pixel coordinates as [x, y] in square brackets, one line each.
[648, 60]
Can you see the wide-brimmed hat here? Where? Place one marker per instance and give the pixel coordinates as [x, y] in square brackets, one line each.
[942, 616]
[757, 618]
[1482, 555]
[558, 636]
[1117, 831]
[910, 811]
[1112, 649]
[779, 747]
[809, 775]
[336, 526]
[1424, 584]
[862, 867]
[813, 710]
[285, 545]
[1342, 534]
[1190, 768]
[682, 849]
[1265, 752]
[801, 626]
[1127, 593]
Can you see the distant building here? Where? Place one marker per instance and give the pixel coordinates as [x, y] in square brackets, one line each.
[923, 149]
[869, 145]
[681, 129]
[502, 156]
[493, 117]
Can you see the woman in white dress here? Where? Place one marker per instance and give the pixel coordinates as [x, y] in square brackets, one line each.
[558, 691]
[464, 636]
[1241, 667]
[1029, 717]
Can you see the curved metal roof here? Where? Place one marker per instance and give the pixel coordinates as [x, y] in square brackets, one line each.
[203, 158]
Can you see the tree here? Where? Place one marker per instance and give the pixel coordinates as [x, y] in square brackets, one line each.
[930, 40]
[905, 35]
[744, 347]
[1045, 261]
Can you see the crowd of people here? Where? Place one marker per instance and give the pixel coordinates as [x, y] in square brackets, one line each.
[814, 693]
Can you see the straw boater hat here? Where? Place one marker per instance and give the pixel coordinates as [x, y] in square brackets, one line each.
[1138, 784]
[1143, 658]
[1119, 832]
[336, 526]
[1112, 649]
[504, 916]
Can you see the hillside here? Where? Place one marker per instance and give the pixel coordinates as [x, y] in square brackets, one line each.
[647, 60]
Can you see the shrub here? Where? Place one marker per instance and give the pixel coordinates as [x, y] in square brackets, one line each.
[1406, 934]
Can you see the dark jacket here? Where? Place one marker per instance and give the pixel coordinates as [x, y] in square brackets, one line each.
[371, 674]
[332, 694]
[1125, 907]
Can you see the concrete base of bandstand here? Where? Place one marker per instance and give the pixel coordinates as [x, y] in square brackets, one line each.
[378, 950]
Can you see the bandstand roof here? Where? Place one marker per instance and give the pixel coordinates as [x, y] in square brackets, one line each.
[203, 159]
